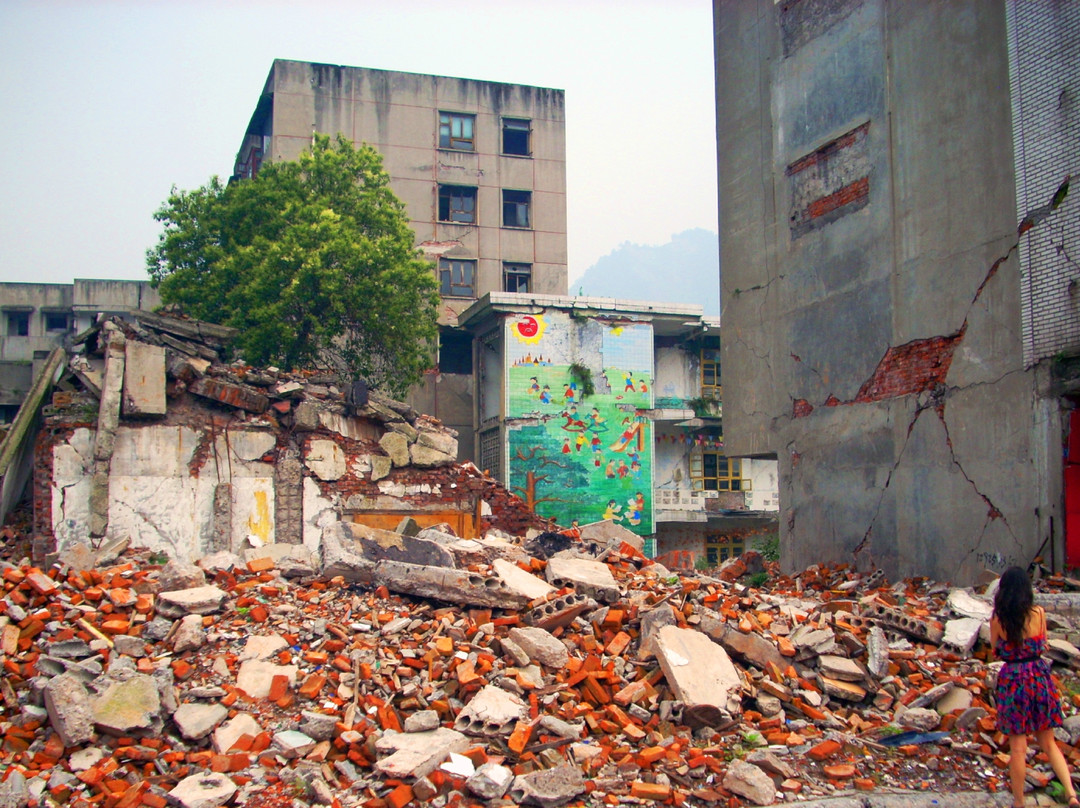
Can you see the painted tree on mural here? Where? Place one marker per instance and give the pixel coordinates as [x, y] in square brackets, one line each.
[539, 475]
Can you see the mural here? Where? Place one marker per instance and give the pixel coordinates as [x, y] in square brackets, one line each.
[573, 455]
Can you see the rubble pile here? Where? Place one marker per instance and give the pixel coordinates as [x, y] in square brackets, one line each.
[416, 667]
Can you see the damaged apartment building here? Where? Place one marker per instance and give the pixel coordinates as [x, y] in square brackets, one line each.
[900, 311]
[147, 437]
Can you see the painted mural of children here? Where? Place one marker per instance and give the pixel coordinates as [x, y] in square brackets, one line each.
[635, 469]
[545, 395]
[609, 472]
[566, 446]
[629, 386]
[569, 391]
[642, 387]
[596, 421]
[612, 511]
[534, 385]
[635, 506]
[622, 469]
[579, 441]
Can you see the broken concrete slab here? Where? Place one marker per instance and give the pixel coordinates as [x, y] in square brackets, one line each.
[541, 646]
[750, 782]
[700, 674]
[592, 578]
[490, 781]
[450, 585]
[228, 733]
[548, 788]
[256, 677]
[522, 582]
[198, 720]
[378, 545]
[205, 790]
[200, 600]
[144, 380]
[70, 711]
[396, 447]
[130, 707]
[417, 754]
[492, 711]
[610, 533]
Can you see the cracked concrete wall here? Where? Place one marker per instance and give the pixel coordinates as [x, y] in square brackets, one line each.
[878, 355]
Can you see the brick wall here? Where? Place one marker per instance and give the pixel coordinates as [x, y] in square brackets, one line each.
[1044, 75]
[830, 182]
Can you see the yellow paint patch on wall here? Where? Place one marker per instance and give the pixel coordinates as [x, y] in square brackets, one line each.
[259, 523]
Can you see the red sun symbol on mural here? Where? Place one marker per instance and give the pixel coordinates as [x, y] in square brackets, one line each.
[529, 328]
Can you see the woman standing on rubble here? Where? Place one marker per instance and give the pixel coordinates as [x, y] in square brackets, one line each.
[1027, 697]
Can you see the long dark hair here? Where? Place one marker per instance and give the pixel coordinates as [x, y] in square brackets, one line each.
[1013, 602]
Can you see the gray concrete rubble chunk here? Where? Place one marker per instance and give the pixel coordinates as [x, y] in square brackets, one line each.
[514, 651]
[128, 708]
[198, 720]
[380, 467]
[221, 561]
[379, 545]
[699, 672]
[541, 646]
[843, 690]
[396, 447]
[492, 711]
[180, 574]
[439, 440]
[14, 792]
[591, 578]
[292, 743]
[919, 718]
[232, 730]
[450, 585]
[417, 754]
[406, 429]
[306, 417]
[326, 460]
[78, 557]
[70, 713]
[752, 647]
[933, 695]
[839, 667]
[189, 634]
[962, 634]
[425, 457]
[747, 780]
[262, 646]
[319, 726]
[966, 604]
[612, 533]
[422, 721]
[548, 788]
[340, 555]
[490, 781]
[524, 583]
[564, 729]
[207, 790]
[200, 600]
[771, 763]
[956, 699]
[256, 676]
[877, 652]
[651, 622]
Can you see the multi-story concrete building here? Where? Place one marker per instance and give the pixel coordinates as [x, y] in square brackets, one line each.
[38, 317]
[480, 166]
[900, 314]
[594, 408]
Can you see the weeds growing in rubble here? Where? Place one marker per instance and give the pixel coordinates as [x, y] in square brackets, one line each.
[769, 547]
[759, 579]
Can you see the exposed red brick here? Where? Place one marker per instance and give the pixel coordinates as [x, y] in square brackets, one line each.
[801, 408]
[918, 366]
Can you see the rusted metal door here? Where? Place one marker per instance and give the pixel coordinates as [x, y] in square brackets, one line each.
[1072, 492]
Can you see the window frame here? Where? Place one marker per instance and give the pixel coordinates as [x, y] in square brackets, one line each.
[523, 203]
[446, 213]
[518, 270]
[47, 315]
[710, 369]
[17, 323]
[506, 128]
[461, 143]
[725, 473]
[720, 548]
[451, 289]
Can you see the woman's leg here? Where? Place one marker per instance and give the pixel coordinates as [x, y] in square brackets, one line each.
[1018, 767]
[1049, 745]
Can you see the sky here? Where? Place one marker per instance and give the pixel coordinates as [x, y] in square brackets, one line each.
[105, 105]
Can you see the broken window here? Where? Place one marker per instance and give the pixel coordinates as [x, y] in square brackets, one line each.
[491, 449]
[713, 471]
[457, 277]
[517, 277]
[515, 136]
[18, 323]
[719, 549]
[710, 372]
[57, 321]
[456, 131]
[455, 351]
[457, 203]
[516, 208]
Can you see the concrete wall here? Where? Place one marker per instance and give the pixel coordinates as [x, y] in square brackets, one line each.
[871, 338]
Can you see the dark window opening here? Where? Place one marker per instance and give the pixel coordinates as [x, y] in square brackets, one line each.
[18, 324]
[516, 208]
[457, 278]
[457, 204]
[517, 277]
[456, 131]
[56, 321]
[515, 136]
[455, 352]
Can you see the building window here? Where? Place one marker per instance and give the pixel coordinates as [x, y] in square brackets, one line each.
[515, 136]
[516, 208]
[712, 471]
[710, 371]
[457, 203]
[517, 277]
[455, 351]
[719, 549]
[456, 131]
[57, 321]
[491, 449]
[457, 278]
[18, 324]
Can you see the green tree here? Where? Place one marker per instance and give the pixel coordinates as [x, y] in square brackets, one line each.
[313, 261]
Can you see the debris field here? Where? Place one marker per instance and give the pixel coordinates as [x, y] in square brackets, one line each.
[414, 667]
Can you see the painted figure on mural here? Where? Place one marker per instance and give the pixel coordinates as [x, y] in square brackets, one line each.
[622, 470]
[569, 391]
[566, 446]
[609, 472]
[635, 506]
[642, 387]
[612, 511]
[629, 387]
[534, 385]
[596, 421]
[579, 441]
[545, 395]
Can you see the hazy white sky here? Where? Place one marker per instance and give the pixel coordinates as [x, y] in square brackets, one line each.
[105, 104]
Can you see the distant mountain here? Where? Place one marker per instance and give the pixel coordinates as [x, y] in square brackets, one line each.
[685, 270]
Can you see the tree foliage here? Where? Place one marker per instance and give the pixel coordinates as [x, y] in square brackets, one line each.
[313, 261]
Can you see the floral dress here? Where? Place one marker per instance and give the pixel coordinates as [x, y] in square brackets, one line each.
[1027, 698]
